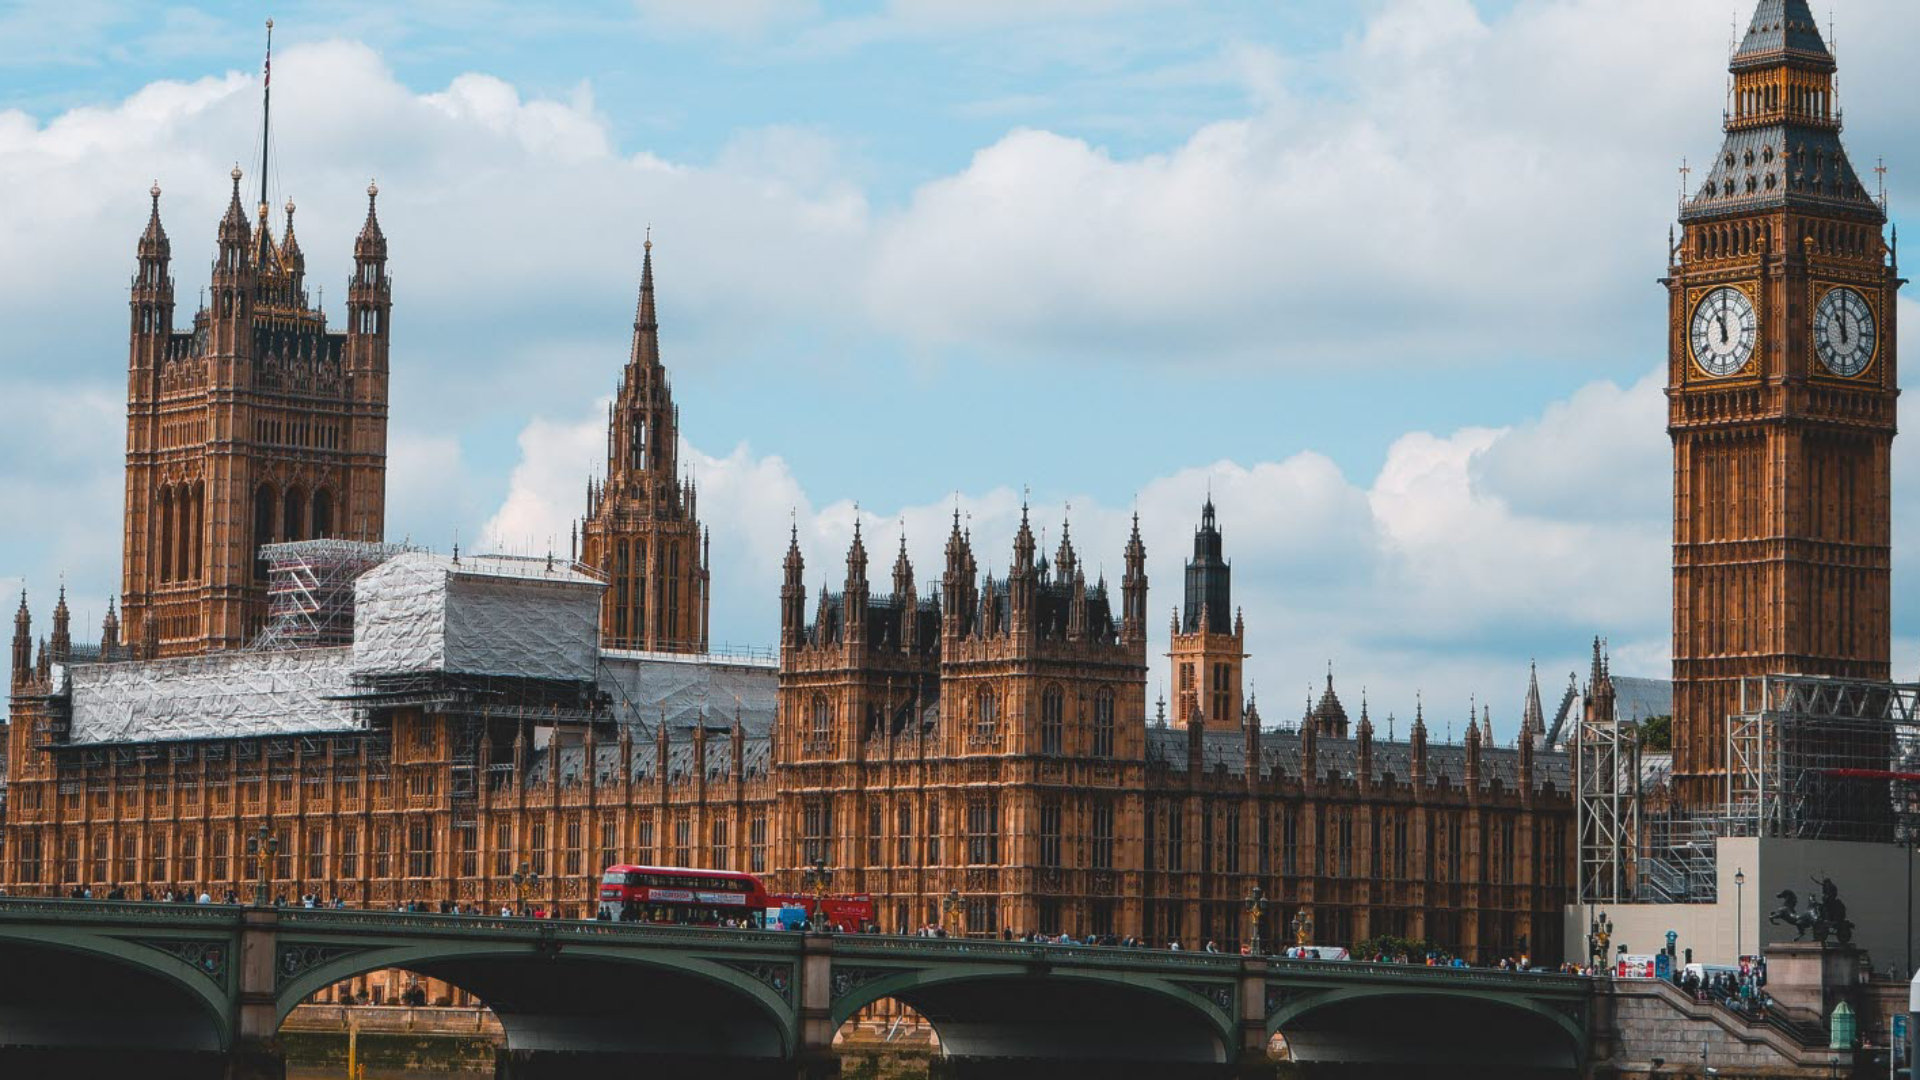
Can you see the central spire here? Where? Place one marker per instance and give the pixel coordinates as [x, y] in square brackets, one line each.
[646, 327]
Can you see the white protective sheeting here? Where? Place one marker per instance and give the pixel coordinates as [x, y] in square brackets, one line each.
[687, 690]
[479, 615]
[220, 696]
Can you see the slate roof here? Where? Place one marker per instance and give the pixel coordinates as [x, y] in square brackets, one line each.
[1779, 25]
[1280, 751]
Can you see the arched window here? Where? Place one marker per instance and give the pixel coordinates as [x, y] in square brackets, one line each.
[295, 510]
[166, 533]
[1103, 724]
[262, 526]
[1053, 710]
[822, 717]
[322, 514]
[986, 712]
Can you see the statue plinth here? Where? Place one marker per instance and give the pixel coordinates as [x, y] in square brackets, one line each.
[1808, 978]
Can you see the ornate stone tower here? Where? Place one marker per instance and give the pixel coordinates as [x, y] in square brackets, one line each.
[641, 530]
[1781, 390]
[1208, 635]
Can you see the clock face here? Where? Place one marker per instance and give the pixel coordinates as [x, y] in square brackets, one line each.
[1844, 334]
[1724, 331]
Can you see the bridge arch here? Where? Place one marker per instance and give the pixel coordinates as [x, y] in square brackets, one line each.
[168, 994]
[579, 997]
[1040, 1013]
[1430, 1027]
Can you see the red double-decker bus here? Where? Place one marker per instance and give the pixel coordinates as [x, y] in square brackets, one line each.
[673, 894]
[692, 897]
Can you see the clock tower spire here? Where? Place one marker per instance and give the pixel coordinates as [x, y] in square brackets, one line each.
[1781, 388]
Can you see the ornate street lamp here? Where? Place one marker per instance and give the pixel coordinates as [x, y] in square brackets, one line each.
[1740, 909]
[1599, 935]
[265, 846]
[1302, 927]
[1256, 907]
[524, 879]
[956, 913]
[816, 880]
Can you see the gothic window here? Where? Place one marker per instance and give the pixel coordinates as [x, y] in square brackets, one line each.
[1206, 839]
[986, 710]
[316, 854]
[876, 828]
[1233, 839]
[1264, 842]
[816, 820]
[217, 864]
[1103, 835]
[1103, 724]
[672, 625]
[822, 718]
[322, 514]
[983, 830]
[1151, 825]
[637, 444]
[757, 844]
[1050, 832]
[1222, 681]
[157, 869]
[1053, 709]
[575, 859]
[933, 831]
[609, 843]
[294, 515]
[262, 526]
[129, 858]
[682, 839]
[166, 532]
[349, 851]
[903, 834]
[1176, 838]
[1289, 842]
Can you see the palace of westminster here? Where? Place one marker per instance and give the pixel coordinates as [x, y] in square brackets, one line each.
[412, 726]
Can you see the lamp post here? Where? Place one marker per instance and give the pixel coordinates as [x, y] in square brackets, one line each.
[1302, 924]
[1256, 907]
[1739, 912]
[954, 911]
[1599, 936]
[524, 879]
[816, 880]
[265, 845]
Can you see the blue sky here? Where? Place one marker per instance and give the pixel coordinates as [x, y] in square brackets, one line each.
[1381, 273]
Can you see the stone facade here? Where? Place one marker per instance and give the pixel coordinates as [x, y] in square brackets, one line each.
[258, 424]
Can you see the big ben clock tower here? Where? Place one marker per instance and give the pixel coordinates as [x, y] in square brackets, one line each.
[1781, 389]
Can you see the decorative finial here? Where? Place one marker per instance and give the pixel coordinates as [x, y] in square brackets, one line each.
[235, 174]
[373, 191]
[648, 243]
[155, 192]
[289, 207]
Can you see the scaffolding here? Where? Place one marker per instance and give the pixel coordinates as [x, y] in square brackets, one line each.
[1815, 757]
[310, 591]
[1607, 779]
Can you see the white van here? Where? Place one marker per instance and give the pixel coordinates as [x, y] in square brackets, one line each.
[1706, 973]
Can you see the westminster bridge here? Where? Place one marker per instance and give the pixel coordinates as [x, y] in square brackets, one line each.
[187, 990]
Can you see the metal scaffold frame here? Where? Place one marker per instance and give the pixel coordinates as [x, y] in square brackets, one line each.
[1815, 757]
[310, 590]
[1607, 779]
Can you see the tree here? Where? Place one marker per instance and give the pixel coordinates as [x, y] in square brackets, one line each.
[1656, 733]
